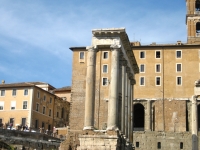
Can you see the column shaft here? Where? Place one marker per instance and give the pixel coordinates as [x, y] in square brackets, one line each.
[194, 124]
[126, 103]
[129, 110]
[113, 92]
[90, 89]
[123, 98]
[148, 120]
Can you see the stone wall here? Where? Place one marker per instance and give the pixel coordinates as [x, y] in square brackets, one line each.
[164, 140]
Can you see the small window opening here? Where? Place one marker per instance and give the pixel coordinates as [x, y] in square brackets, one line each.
[142, 68]
[81, 55]
[157, 80]
[187, 121]
[179, 81]
[105, 81]
[157, 54]
[142, 54]
[178, 67]
[181, 145]
[142, 81]
[137, 144]
[159, 145]
[178, 54]
[105, 55]
[198, 29]
[158, 68]
[105, 68]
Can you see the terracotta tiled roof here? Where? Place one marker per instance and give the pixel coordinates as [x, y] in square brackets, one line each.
[65, 88]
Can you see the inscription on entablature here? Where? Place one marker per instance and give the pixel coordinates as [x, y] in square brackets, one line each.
[105, 41]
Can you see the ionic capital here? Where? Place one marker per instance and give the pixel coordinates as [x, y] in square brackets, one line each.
[91, 49]
[115, 47]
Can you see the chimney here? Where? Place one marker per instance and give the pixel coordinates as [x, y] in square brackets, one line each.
[3, 81]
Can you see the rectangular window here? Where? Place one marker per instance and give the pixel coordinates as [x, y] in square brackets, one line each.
[178, 81]
[58, 114]
[142, 68]
[14, 92]
[23, 123]
[38, 94]
[142, 54]
[158, 81]
[49, 112]
[13, 105]
[181, 145]
[44, 98]
[158, 55]
[142, 81]
[25, 104]
[37, 107]
[26, 92]
[81, 55]
[50, 101]
[158, 68]
[12, 120]
[178, 54]
[105, 68]
[178, 68]
[2, 92]
[1, 105]
[43, 110]
[105, 55]
[36, 124]
[105, 81]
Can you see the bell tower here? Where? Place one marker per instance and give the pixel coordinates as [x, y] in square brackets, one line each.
[193, 21]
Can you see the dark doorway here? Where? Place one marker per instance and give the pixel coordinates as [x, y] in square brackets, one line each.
[138, 117]
[198, 110]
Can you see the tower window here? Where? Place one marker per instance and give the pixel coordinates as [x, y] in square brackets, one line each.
[157, 54]
[198, 29]
[81, 55]
[137, 144]
[142, 54]
[197, 6]
[181, 145]
[142, 68]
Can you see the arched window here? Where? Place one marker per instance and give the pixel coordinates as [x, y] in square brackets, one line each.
[198, 29]
[138, 123]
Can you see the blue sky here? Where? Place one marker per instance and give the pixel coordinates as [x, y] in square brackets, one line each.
[35, 36]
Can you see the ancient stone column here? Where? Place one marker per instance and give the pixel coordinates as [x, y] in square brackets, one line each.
[113, 91]
[126, 100]
[123, 96]
[194, 123]
[90, 89]
[132, 93]
[148, 120]
[129, 105]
